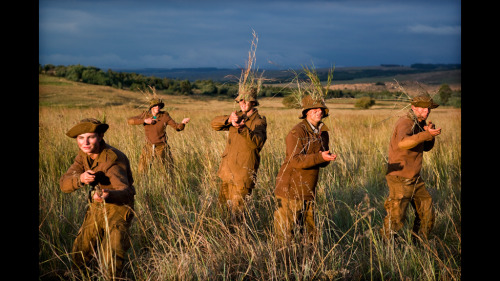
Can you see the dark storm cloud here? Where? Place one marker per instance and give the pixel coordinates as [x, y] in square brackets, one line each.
[169, 34]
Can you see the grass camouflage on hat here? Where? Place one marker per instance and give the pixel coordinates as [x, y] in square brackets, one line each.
[156, 101]
[423, 99]
[311, 93]
[151, 98]
[88, 125]
[248, 95]
[250, 84]
[309, 103]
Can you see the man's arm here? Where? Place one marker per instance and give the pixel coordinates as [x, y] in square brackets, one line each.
[295, 146]
[70, 181]
[122, 190]
[257, 137]
[221, 123]
[427, 137]
[171, 122]
[410, 142]
[137, 120]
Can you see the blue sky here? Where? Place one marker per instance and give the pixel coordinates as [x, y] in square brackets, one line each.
[193, 33]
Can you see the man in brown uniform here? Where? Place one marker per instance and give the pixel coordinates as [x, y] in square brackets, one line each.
[155, 123]
[410, 138]
[307, 151]
[240, 159]
[111, 197]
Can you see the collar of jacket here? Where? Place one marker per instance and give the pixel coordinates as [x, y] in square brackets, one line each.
[321, 127]
[411, 115]
[252, 117]
[149, 114]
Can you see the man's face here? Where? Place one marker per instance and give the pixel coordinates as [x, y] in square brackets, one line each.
[155, 109]
[421, 112]
[89, 142]
[314, 114]
[246, 106]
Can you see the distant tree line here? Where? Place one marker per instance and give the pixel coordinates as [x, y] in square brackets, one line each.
[138, 82]
[437, 66]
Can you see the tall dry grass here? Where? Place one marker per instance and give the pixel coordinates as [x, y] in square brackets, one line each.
[179, 233]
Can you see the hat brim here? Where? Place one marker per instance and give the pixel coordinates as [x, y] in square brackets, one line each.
[425, 104]
[161, 104]
[238, 100]
[87, 127]
[304, 112]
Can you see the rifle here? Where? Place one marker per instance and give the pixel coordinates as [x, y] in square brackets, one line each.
[95, 186]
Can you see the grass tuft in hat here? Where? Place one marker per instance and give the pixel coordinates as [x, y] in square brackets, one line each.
[311, 93]
[423, 99]
[152, 98]
[308, 102]
[250, 83]
[156, 101]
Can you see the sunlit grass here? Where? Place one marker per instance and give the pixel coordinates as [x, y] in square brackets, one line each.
[179, 234]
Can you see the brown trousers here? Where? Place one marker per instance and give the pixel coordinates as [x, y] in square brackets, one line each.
[293, 217]
[105, 232]
[155, 153]
[233, 197]
[404, 192]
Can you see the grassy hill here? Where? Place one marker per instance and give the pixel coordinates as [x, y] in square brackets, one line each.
[179, 233]
[61, 92]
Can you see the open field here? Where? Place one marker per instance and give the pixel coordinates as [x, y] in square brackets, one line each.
[178, 232]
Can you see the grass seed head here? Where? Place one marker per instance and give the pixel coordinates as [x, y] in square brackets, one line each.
[250, 82]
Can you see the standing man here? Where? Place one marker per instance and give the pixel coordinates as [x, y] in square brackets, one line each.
[410, 138]
[105, 229]
[156, 147]
[240, 159]
[307, 151]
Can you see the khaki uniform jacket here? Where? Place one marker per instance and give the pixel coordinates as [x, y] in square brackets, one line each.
[240, 159]
[408, 162]
[298, 175]
[156, 133]
[112, 169]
